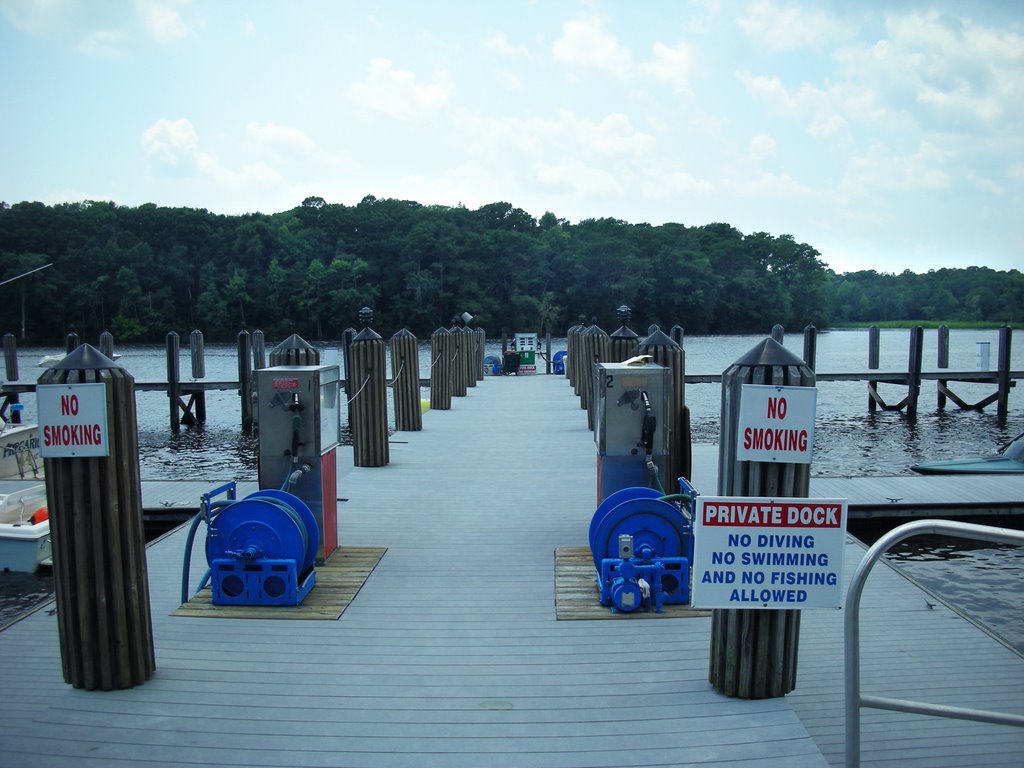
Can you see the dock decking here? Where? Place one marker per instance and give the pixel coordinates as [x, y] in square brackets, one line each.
[451, 654]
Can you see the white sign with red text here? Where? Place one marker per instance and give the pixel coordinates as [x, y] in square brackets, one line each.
[753, 552]
[776, 423]
[72, 420]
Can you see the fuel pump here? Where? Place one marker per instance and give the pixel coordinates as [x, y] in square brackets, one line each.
[630, 425]
[299, 432]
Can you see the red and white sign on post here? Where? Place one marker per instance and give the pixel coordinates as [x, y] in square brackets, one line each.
[776, 423]
[751, 552]
[72, 420]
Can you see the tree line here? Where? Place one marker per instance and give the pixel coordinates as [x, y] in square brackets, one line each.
[140, 272]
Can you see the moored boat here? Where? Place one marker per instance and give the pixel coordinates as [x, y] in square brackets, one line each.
[1009, 460]
[24, 530]
[19, 452]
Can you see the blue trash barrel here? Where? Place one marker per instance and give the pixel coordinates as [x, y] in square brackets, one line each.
[492, 365]
[558, 362]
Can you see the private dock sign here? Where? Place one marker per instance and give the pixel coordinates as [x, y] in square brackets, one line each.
[753, 552]
[776, 423]
[72, 420]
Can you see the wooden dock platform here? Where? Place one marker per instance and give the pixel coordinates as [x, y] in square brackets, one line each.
[451, 654]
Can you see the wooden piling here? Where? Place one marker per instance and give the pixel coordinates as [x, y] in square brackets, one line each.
[440, 370]
[71, 343]
[197, 354]
[11, 369]
[942, 362]
[294, 350]
[457, 366]
[914, 369]
[346, 353]
[11, 357]
[245, 378]
[678, 451]
[754, 652]
[596, 350]
[259, 350]
[369, 401]
[778, 333]
[107, 344]
[405, 384]
[173, 379]
[1003, 380]
[99, 546]
[810, 346]
[481, 352]
[623, 342]
[873, 345]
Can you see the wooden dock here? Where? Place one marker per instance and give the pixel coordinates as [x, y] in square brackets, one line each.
[451, 653]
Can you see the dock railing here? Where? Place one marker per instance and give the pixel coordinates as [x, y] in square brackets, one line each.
[854, 700]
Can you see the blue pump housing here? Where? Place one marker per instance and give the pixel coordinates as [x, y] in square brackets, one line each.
[642, 545]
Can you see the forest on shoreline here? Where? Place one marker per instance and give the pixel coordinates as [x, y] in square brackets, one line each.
[140, 272]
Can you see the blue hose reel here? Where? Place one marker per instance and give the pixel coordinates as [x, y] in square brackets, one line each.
[261, 549]
[642, 544]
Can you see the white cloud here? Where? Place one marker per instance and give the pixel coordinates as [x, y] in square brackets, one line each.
[162, 22]
[762, 146]
[398, 93]
[673, 64]
[271, 137]
[171, 145]
[499, 44]
[879, 170]
[101, 29]
[585, 43]
[777, 28]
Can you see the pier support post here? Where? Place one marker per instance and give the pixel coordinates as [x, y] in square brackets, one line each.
[942, 362]
[294, 350]
[245, 378]
[623, 342]
[259, 350]
[405, 384]
[873, 344]
[71, 343]
[678, 458]
[754, 651]
[459, 355]
[197, 353]
[778, 333]
[441, 370]
[173, 379]
[810, 346]
[571, 339]
[99, 545]
[1003, 380]
[11, 357]
[914, 369]
[369, 402]
[346, 353]
[107, 344]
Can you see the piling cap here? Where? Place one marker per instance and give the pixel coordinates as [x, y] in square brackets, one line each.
[769, 352]
[292, 342]
[658, 338]
[405, 333]
[85, 357]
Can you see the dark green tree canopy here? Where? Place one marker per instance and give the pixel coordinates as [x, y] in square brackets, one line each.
[141, 272]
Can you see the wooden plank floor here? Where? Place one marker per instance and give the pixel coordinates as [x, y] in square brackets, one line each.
[451, 654]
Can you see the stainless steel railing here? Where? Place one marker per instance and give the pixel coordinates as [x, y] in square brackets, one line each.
[854, 699]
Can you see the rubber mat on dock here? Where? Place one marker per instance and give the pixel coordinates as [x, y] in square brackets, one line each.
[337, 583]
[576, 592]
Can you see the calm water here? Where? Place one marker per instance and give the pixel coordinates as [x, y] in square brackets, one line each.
[848, 442]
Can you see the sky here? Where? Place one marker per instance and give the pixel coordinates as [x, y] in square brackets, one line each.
[887, 135]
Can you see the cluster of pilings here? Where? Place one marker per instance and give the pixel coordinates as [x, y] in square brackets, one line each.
[589, 344]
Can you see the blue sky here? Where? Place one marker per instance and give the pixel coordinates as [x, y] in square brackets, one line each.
[889, 136]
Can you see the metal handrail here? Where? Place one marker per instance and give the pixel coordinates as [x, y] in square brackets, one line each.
[851, 628]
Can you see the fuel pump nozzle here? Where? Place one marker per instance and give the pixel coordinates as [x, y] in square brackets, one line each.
[650, 425]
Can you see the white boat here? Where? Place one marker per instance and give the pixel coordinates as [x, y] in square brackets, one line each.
[19, 452]
[24, 530]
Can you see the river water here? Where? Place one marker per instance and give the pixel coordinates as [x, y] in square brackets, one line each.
[849, 441]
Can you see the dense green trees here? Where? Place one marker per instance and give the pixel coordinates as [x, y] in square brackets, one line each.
[140, 272]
